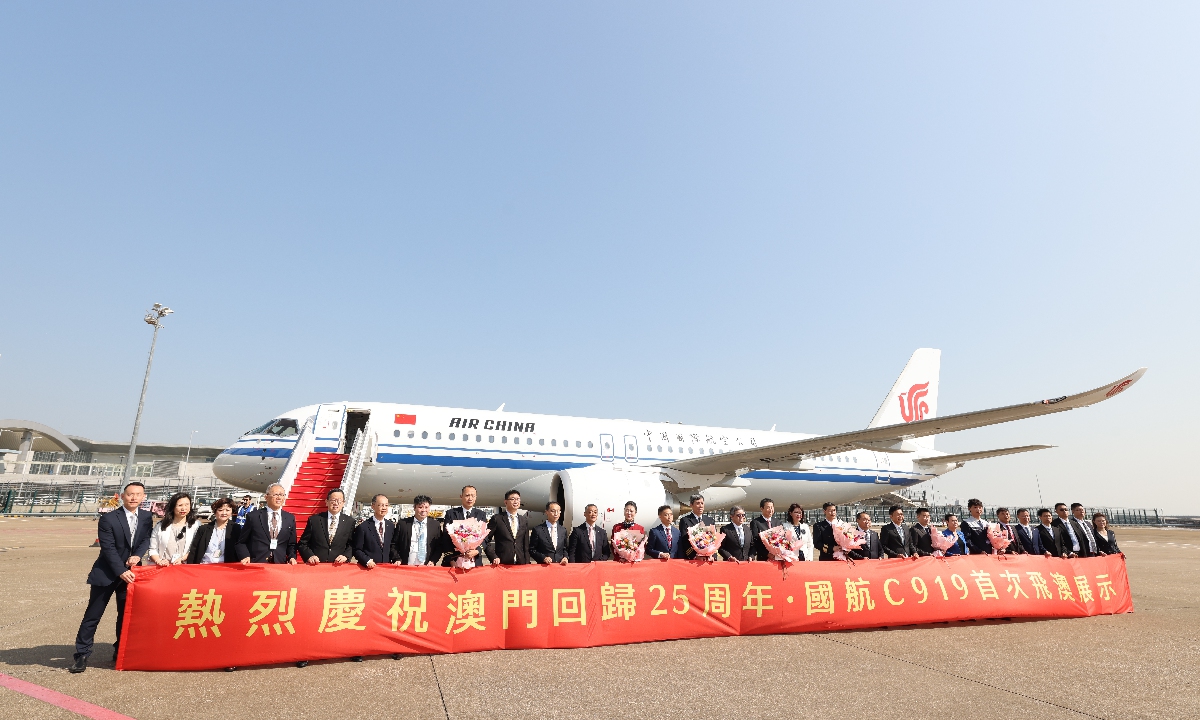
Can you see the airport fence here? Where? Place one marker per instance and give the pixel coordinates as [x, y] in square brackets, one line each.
[879, 514]
[79, 497]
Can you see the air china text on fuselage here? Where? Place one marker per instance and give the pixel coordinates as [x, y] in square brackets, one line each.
[402, 450]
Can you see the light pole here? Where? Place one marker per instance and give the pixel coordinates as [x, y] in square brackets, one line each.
[154, 317]
[189, 452]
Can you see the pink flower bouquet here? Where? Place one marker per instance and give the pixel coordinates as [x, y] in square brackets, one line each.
[848, 537]
[705, 540]
[781, 542]
[941, 543]
[629, 545]
[997, 537]
[466, 535]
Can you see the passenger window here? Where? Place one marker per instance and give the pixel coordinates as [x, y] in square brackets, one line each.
[491, 438]
[579, 444]
[553, 443]
[452, 436]
[411, 433]
[660, 448]
[589, 443]
[478, 438]
[396, 433]
[437, 436]
[528, 441]
[424, 435]
[541, 441]
[689, 451]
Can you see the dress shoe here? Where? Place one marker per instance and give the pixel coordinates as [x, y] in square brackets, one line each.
[80, 664]
[114, 654]
[302, 663]
[357, 658]
[230, 669]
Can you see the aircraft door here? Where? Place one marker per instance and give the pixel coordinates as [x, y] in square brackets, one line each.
[328, 428]
[883, 464]
[606, 447]
[631, 452]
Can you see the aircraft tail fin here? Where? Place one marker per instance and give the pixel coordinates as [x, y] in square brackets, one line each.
[915, 394]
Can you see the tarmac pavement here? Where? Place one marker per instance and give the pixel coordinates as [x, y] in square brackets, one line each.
[1140, 665]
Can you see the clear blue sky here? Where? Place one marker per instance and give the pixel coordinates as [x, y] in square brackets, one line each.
[699, 212]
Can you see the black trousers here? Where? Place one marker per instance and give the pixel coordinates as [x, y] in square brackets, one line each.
[97, 603]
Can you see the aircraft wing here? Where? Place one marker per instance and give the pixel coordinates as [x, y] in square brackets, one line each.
[979, 455]
[891, 438]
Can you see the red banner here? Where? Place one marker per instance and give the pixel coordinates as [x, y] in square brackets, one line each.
[214, 616]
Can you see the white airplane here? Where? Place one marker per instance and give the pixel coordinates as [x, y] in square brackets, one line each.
[403, 450]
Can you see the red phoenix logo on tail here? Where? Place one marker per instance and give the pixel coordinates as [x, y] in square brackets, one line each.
[912, 406]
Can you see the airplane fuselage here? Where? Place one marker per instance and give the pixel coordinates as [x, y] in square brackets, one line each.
[435, 451]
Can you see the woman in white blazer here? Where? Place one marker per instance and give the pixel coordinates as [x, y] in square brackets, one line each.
[172, 537]
[796, 521]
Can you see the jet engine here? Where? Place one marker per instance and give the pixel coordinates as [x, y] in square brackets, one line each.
[608, 487]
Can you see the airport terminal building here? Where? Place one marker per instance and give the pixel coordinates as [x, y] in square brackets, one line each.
[42, 469]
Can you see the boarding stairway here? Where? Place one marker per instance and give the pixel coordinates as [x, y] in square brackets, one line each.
[309, 476]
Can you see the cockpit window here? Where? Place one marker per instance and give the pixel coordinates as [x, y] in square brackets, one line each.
[283, 427]
[260, 429]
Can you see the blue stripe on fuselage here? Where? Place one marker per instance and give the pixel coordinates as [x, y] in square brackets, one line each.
[259, 452]
[482, 462]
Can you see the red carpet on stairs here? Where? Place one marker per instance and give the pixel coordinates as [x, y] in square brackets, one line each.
[320, 473]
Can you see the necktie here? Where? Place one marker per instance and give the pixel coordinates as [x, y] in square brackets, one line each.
[421, 545]
[379, 529]
[512, 524]
[668, 538]
[274, 525]
[768, 522]
[332, 525]
[741, 540]
[592, 540]
[132, 517]
[553, 537]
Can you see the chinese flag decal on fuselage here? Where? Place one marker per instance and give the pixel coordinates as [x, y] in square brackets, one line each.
[406, 419]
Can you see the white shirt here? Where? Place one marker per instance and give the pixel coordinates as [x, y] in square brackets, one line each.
[278, 521]
[215, 552]
[331, 518]
[420, 531]
[1086, 534]
[591, 536]
[1028, 528]
[741, 535]
[133, 522]
[552, 528]
[975, 522]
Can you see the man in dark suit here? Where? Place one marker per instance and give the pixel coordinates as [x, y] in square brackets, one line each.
[1004, 520]
[269, 534]
[418, 538]
[588, 541]
[1028, 539]
[1084, 531]
[508, 542]
[919, 543]
[823, 542]
[893, 536]
[374, 538]
[974, 528]
[736, 545]
[760, 524]
[1071, 539]
[663, 541]
[687, 521]
[872, 549]
[466, 510]
[124, 535]
[328, 535]
[548, 541]
[1050, 536]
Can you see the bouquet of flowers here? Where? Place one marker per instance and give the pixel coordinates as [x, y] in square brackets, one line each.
[466, 535]
[941, 543]
[848, 537]
[705, 540]
[781, 543]
[629, 545]
[997, 537]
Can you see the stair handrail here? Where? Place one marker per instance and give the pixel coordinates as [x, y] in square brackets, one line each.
[354, 466]
[304, 446]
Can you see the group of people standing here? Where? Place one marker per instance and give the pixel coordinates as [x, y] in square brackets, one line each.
[129, 536]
